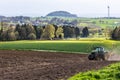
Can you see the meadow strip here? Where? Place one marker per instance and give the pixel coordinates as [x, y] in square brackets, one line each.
[60, 45]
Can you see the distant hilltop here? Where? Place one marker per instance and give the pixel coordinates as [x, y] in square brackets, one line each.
[61, 14]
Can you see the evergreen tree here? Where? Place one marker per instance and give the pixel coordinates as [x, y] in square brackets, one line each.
[77, 32]
[85, 32]
[116, 34]
[1, 31]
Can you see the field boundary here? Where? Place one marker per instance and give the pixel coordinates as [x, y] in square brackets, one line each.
[69, 52]
[58, 51]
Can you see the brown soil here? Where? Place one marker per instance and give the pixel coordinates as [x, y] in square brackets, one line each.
[33, 65]
[114, 57]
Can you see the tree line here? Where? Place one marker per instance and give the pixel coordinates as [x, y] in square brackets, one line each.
[48, 32]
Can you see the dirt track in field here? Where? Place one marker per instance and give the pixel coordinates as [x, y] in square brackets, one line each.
[32, 65]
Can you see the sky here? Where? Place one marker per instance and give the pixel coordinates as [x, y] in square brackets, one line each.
[37, 8]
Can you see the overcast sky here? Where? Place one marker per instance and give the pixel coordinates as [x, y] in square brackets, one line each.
[83, 8]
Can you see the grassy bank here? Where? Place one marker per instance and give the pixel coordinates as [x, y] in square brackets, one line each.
[112, 72]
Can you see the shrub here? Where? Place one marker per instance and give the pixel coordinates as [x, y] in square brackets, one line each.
[117, 75]
[111, 72]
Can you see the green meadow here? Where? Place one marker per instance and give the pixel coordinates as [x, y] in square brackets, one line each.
[107, 23]
[82, 45]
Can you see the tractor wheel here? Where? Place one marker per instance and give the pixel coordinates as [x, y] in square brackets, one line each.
[91, 57]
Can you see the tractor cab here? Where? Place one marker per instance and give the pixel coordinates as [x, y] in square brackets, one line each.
[98, 49]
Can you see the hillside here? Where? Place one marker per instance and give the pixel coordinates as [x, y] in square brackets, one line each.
[61, 14]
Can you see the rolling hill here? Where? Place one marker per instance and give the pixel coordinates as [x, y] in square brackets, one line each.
[61, 14]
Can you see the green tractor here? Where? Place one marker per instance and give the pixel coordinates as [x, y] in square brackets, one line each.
[98, 53]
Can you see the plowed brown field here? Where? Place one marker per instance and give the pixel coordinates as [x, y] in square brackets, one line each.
[33, 65]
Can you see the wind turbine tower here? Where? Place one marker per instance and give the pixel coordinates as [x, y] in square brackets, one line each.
[108, 11]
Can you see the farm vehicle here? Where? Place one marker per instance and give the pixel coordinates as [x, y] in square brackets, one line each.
[99, 53]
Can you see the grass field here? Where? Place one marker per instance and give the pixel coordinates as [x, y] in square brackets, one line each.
[112, 72]
[84, 45]
[107, 22]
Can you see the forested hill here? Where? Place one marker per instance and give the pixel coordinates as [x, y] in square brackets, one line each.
[61, 14]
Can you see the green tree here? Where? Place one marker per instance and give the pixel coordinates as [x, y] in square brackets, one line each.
[68, 31]
[24, 31]
[85, 32]
[31, 36]
[1, 30]
[4, 36]
[77, 32]
[17, 35]
[41, 30]
[36, 28]
[11, 36]
[56, 27]
[59, 32]
[49, 32]
[21, 31]
[116, 34]
[71, 32]
[8, 35]
[23, 34]
[29, 29]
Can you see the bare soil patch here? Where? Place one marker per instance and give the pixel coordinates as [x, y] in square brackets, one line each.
[114, 57]
[33, 65]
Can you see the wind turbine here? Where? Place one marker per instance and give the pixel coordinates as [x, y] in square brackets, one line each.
[108, 11]
[108, 7]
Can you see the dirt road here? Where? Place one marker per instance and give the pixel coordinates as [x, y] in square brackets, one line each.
[33, 65]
